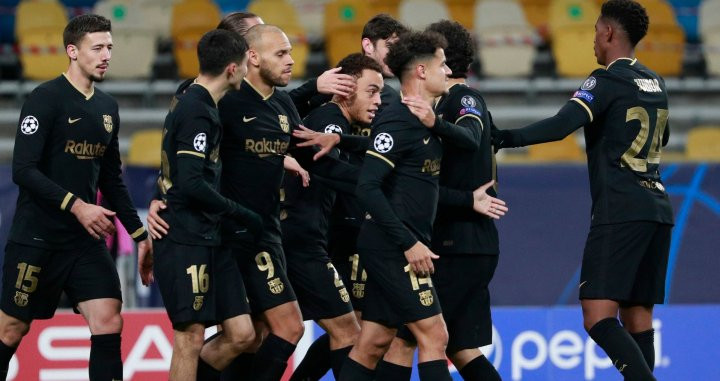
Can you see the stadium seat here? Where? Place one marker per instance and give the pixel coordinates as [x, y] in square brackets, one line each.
[311, 16]
[344, 22]
[711, 47]
[228, 6]
[79, 3]
[389, 7]
[703, 143]
[664, 46]
[418, 14]
[507, 41]
[537, 14]
[133, 40]
[709, 17]
[191, 19]
[686, 12]
[572, 13]
[7, 25]
[572, 31]
[461, 11]
[160, 12]
[562, 150]
[38, 28]
[283, 14]
[144, 148]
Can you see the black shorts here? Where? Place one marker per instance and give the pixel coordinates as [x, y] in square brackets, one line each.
[462, 285]
[344, 255]
[264, 272]
[198, 284]
[34, 278]
[626, 262]
[320, 291]
[394, 294]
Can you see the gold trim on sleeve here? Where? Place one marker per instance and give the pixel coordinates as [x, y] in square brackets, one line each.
[138, 232]
[379, 156]
[584, 106]
[198, 154]
[66, 200]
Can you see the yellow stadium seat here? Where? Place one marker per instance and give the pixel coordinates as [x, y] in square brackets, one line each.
[190, 20]
[662, 50]
[537, 14]
[703, 143]
[39, 27]
[561, 150]
[344, 22]
[144, 148]
[566, 13]
[283, 14]
[389, 7]
[462, 12]
[572, 48]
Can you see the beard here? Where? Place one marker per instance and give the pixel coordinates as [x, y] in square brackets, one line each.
[269, 77]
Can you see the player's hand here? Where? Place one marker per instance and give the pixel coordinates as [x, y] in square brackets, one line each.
[488, 205]
[94, 218]
[421, 109]
[420, 259]
[331, 82]
[145, 262]
[291, 165]
[326, 142]
[157, 227]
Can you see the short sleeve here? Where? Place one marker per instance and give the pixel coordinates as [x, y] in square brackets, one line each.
[595, 93]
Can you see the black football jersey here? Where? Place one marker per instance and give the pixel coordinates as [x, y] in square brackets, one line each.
[627, 104]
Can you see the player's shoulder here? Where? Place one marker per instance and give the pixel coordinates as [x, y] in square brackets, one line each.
[461, 100]
[49, 91]
[327, 118]
[105, 98]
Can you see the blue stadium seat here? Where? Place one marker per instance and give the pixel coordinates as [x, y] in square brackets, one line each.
[9, 3]
[227, 6]
[686, 12]
[7, 25]
[79, 3]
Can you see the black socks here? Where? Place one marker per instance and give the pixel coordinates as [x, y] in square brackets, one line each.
[479, 369]
[6, 353]
[387, 371]
[271, 359]
[646, 341]
[105, 360]
[622, 349]
[436, 370]
[354, 371]
[317, 361]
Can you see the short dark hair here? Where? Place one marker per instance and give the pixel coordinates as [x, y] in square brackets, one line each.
[218, 48]
[460, 51]
[412, 47]
[383, 26]
[236, 22]
[631, 16]
[355, 63]
[81, 25]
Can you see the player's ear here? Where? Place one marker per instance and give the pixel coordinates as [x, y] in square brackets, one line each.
[367, 45]
[253, 57]
[420, 71]
[72, 51]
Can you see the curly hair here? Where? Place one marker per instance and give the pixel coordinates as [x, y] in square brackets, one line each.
[355, 63]
[411, 47]
[460, 50]
[631, 16]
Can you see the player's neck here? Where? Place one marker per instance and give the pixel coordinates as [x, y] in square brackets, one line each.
[255, 80]
[613, 55]
[344, 108]
[80, 81]
[415, 88]
[216, 86]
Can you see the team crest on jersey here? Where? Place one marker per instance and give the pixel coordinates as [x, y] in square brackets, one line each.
[29, 125]
[468, 101]
[200, 142]
[284, 123]
[198, 303]
[426, 298]
[383, 142]
[589, 84]
[276, 286]
[21, 299]
[358, 290]
[333, 129]
[344, 295]
[107, 122]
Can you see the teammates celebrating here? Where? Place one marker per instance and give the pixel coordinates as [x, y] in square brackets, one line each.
[387, 227]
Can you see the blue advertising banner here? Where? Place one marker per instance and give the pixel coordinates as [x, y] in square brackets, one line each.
[549, 343]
